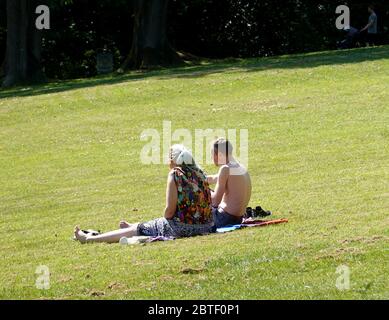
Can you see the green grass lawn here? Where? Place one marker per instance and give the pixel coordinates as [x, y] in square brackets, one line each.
[319, 156]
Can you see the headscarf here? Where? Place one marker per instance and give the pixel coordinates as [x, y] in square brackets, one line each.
[184, 159]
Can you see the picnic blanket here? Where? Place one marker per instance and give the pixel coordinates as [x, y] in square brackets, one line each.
[250, 223]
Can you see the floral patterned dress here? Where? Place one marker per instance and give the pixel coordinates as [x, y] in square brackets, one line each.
[194, 205]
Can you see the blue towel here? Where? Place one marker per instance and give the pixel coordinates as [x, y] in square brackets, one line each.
[229, 228]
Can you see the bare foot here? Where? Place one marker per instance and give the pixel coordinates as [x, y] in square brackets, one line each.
[124, 225]
[79, 235]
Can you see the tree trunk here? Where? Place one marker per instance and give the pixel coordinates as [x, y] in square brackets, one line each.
[150, 46]
[23, 53]
[2, 69]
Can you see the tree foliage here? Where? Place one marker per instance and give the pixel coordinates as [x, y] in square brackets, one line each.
[206, 28]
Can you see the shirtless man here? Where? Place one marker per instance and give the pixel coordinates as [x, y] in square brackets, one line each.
[233, 186]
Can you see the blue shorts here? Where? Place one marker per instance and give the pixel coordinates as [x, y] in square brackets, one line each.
[223, 219]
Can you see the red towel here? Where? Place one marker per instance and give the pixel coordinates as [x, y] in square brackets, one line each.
[262, 223]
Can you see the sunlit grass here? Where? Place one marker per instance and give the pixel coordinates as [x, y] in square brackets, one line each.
[319, 131]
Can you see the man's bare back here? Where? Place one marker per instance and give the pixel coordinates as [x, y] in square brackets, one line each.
[238, 191]
[233, 189]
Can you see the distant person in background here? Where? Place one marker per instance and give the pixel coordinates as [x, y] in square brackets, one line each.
[351, 40]
[371, 27]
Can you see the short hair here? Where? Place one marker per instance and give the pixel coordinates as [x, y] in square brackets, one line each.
[372, 6]
[223, 146]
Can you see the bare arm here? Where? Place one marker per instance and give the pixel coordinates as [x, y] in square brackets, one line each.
[212, 179]
[221, 186]
[367, 26]
[171, 197]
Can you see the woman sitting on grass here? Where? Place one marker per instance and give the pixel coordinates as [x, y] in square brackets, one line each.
[188, 205]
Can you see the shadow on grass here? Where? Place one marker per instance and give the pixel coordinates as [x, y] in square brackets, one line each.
[310, 60]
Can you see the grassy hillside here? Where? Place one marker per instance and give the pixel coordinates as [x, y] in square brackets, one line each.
[319, 156]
